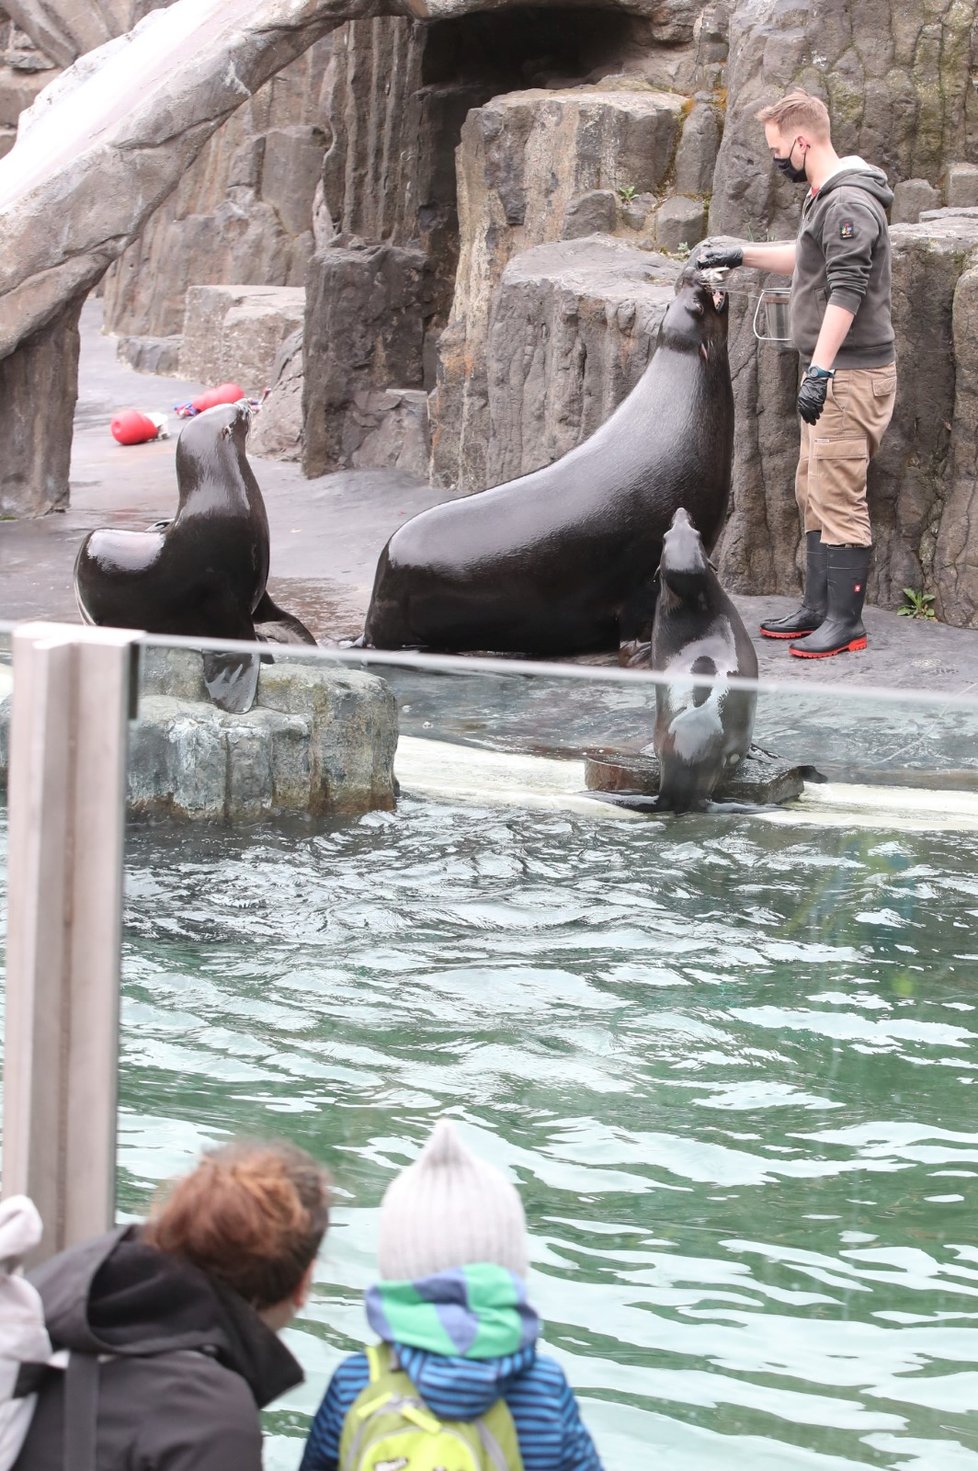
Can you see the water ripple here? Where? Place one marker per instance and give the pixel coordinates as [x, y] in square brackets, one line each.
[726, 1062]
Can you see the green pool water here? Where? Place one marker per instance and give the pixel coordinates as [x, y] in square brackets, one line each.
[730, 1066]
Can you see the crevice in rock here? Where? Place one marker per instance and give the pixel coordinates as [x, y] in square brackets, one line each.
[508, 50]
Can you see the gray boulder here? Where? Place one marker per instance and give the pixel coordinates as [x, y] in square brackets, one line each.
[911, 198]
[159, 355]
[590, 214]
[234, 333]
[317, 743]
[961, 185]
[680, 222]
[38, 391]
[277, 430]
[367, 308]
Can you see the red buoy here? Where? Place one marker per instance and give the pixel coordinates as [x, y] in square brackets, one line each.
[225, 393]
[132, 427]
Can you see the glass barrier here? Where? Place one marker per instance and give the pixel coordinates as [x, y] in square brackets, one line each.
[726, 1056]
[6, 693]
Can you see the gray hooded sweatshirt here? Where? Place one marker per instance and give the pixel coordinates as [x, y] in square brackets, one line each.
[843, 259]
[188, 1363]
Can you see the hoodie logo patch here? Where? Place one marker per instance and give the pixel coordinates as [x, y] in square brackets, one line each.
[847, 229]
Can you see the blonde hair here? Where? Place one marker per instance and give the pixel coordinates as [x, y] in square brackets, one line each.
[798, 109]
[251, 1215]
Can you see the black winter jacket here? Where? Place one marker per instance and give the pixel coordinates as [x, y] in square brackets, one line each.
[191, 1362]
[842, 257]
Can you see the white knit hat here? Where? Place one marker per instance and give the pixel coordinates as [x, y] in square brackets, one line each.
[449, 1209]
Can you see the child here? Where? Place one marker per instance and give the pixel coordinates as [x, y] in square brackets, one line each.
[458, 1335]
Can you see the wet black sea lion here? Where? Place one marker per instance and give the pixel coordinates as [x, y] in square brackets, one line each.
[703, 727]
[203, 574]
[562, 561]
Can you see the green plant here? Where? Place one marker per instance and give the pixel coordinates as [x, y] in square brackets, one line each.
[626, 193]
[917, 605]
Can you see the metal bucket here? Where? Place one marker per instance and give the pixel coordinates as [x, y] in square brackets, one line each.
[771, 315]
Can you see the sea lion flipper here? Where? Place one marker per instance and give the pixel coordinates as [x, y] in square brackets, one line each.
[231, 679]
[274, 626]
[633, 801]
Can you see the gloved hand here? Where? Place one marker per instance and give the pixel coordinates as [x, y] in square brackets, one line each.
[811, 394]
[710, 254]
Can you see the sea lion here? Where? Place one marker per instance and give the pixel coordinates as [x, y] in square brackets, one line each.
[203, 574]
[702, 729]
[561, 561]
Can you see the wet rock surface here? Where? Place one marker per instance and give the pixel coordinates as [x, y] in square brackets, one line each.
[317, 743]
[759, 777]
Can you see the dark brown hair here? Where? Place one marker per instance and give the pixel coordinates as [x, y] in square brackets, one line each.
[797, 109]
[252, 1215]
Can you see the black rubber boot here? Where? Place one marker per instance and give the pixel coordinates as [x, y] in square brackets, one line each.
[842, 629]
[804, 620]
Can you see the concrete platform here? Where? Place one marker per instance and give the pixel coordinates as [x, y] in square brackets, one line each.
[327, 534]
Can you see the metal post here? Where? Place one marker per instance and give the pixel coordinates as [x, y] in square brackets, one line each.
[66, 798]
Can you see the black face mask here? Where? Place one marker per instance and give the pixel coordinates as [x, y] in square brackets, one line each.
[786, 167]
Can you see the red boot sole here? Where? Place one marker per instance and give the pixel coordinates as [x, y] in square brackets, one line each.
[801, 633]
[854, 647]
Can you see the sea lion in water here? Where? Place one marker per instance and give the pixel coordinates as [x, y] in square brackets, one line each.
[703, 728]
[203, 574]
[562, 561]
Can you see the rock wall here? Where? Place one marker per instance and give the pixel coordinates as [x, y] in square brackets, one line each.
[399, 97]
[417, 173]
[563, 120]
[899, 86]
[571, 332]
[34, 467]
[98, 151]
[242, 215]
[66, 31]
[24, 69]
[512, 196]
[367, 307]
[36, 38]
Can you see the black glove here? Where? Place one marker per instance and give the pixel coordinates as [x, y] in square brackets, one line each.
[710, 255]
[811, 394]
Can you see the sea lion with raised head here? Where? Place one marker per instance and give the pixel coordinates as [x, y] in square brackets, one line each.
[203, 574]
[703, 726]
[561, 561]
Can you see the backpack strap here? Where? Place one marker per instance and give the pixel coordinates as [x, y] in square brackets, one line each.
[510, 1458]
[80, 1412]
[379, 1360]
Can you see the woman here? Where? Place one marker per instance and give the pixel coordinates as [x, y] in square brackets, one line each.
[172, 1327]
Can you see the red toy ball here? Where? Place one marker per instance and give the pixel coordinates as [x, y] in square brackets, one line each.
[132, 427]
[226, 393]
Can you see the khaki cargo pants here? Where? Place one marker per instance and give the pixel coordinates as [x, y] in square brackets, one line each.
[834, 456]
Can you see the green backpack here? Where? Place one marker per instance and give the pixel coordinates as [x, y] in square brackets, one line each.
[390, 1428]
